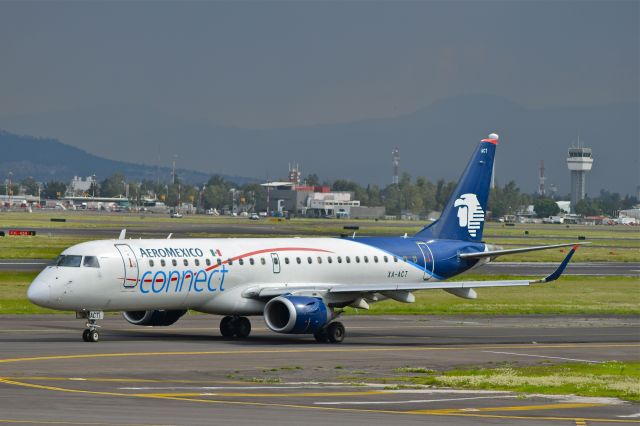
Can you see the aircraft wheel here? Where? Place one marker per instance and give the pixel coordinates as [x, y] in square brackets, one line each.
[321, 336]
[242, 327]
[85, 335]
[227, 327]
[93, 336]
[335, 332]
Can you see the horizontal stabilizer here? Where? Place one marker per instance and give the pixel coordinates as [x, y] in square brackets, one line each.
[496, 253]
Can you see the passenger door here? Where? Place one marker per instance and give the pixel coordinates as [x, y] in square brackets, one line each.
[130, 263]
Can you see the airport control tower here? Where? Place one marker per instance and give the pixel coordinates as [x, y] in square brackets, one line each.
[579, 162]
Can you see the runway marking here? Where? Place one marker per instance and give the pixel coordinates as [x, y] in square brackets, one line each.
[412, 401]
[125, 380]
[519, 407]
[304, 407]
[318, 350]
[545, 356]
[267, 394]
[630, 415]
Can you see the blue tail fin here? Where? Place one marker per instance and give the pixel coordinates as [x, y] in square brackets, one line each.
[463, 215]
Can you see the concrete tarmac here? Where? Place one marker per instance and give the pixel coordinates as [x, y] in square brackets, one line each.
[188, 374]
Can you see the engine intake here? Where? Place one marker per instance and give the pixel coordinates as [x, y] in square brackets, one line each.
[296, 314]
[155, 318]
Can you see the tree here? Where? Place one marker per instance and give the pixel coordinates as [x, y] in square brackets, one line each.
[113, 186]
[312, 180]
[589, 207]
[546, 207]
[54, 190]
[30, 185]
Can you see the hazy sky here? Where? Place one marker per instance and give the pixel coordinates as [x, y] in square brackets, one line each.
[272, 64]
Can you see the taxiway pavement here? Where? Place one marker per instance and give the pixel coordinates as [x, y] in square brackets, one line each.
[188, 374]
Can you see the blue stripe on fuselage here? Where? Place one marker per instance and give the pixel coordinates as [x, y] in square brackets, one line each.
[447, 263]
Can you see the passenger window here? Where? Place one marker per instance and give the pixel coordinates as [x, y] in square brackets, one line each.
[186, 262]
[197, 262]
[90, 262]
[219, 261]
[230, 261]
[329, 259]
[375, 259]
[151, 262]
[309, 260]
[319, 260]
[348, 259]
[404, 258]
[366, 259]
[275, 260]
[174, 262]
[339, 259]
[263, 261]
[208, 262]
[298, 260]
[241, 261]
[163, 263]
[395, 258]
[386, 259]
[286, 260]
[251, 261]
[357, 259]
[415, 259]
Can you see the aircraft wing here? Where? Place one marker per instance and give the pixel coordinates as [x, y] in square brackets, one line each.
[267, 292]
[496, 253]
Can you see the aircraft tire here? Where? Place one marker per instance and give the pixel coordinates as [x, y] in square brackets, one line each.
[242, 327]
[93, 336]
[335, 332]
[227, 327]
[321, 336]
[85, 335]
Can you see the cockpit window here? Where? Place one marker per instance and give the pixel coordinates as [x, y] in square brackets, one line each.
[90, 262]
[69, 260]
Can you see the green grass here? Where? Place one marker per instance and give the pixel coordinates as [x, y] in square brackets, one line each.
[610, 243]
[609, 379]
[569, 295]
[13, 294]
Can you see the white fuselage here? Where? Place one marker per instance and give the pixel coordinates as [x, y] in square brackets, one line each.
[210, 275]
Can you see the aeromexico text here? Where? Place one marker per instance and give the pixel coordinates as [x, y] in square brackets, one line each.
[171, 252]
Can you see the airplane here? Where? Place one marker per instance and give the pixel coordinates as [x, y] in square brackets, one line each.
[298, 285]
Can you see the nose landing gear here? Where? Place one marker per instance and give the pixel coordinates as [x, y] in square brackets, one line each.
[90, 334]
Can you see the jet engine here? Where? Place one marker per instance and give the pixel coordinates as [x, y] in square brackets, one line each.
[156, 318]
[296, 314]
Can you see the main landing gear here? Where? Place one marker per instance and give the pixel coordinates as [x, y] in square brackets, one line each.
[332, 333]
[235, 327]
[90, 334]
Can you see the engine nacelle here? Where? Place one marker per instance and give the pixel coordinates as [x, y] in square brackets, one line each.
[296, 314]
[155, 318]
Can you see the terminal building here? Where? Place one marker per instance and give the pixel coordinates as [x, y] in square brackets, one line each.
[293, 198]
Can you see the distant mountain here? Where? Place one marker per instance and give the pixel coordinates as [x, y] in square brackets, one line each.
[48, 159]
[435, 142]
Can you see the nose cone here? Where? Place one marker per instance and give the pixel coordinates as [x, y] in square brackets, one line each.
[39, 292]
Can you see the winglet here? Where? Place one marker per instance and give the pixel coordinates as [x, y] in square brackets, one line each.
[556, 274]
[122, 234]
